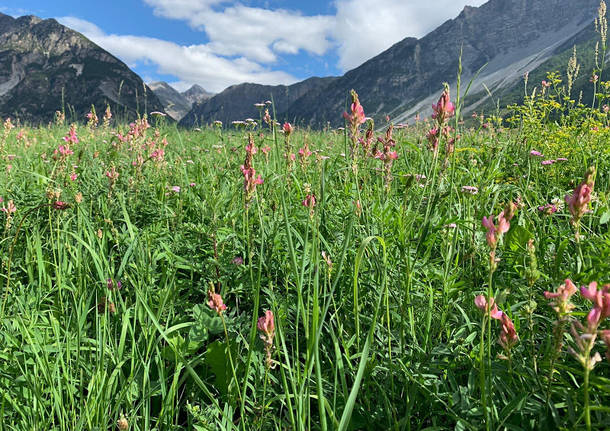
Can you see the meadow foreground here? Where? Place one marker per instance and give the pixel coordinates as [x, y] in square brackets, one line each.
[264, 277]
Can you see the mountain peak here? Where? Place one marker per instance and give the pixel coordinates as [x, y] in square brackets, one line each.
[502, 39]
[174, 102]
[45, 67]
[197, 94]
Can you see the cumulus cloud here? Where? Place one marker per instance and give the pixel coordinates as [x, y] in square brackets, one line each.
[256, 33]
[364, 28]
[245, 42]
[359, 30]
[190, 64]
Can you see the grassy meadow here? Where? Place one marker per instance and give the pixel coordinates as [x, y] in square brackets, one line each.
[261, 276]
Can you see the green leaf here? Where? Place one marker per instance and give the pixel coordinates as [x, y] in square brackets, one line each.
[605, 218]
[206, 320]
[216, 359]
[517, 238]
[559, 256]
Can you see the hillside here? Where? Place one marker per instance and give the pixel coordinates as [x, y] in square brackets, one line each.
[45, 67]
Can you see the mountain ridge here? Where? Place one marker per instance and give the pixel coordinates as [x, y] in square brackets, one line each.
[497, 43]
[46, 67]
[237, 101]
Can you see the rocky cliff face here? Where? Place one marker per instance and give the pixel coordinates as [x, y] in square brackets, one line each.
[45, 67]
[178, 104]
[237, 102]
[197, 94]
[508, 37]
[175, 104]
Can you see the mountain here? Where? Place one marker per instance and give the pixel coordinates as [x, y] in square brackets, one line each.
[175, 103]
[45, 66]
[499, 42]
[503, 39]
[197, 94]
[237, 102]
[178, 104]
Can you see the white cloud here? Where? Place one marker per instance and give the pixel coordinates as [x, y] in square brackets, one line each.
[359, 30]
[258, 34]
[365, 29]
[245, 42]
[85, 27]
[190, 64]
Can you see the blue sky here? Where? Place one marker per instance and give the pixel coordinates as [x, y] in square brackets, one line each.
[217, 43]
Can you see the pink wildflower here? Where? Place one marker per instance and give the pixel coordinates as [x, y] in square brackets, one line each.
[287, 128]
[444, 109]
[112, 174]
[432, 137]
[10, 207]
[601, 304]
[508, 336]
[309, 201]
[492, 239]
[304, 152]
[71, 137]
[547, 209]
[59, 205]
[215, 302]
[561, 299]
[112, 285]
[578, 202]
[158, 155]
[63, 151]
[356, 117]
[266, 325]
[488, 306]
[536, 153]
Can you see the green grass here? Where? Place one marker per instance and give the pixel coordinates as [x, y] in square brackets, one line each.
[387, 337]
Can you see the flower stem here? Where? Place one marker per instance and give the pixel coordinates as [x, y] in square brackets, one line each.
[224, 325]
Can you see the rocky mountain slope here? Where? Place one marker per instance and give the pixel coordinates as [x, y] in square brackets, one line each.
[499, 42]
[178, 104]
[197, 94]
[45, 67]
[237, 102]
[502, 38]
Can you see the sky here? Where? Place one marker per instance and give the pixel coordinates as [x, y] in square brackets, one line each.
[218, 43]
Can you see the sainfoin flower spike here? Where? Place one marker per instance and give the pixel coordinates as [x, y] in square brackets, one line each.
[560, 300]
[601, 304]
[508, 336]
[356, 117]
[215, 302]
[488, 307]
[266, 326]
[444, 108]
[578, 201]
